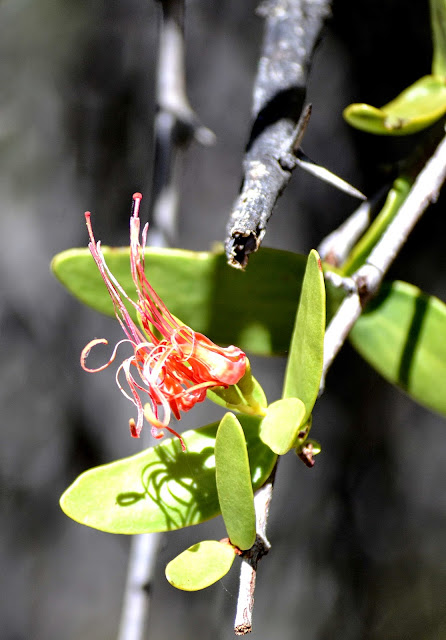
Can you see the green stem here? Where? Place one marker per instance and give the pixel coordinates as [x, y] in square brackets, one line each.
[362, 249]
[438, 25]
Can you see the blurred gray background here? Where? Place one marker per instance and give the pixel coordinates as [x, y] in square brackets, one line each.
[359, 542]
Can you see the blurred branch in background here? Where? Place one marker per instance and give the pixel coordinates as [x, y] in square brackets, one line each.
[175, 126]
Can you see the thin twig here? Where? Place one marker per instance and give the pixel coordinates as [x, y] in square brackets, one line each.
[248, 571]
[368, 278]
[291, 32]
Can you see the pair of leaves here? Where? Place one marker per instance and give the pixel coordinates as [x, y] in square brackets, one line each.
[161, 488]
[206, 562]
[164, 488]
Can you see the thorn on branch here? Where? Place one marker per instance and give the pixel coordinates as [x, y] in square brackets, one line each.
[291, 32]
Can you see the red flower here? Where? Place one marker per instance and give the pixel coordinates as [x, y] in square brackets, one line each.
[174, 371]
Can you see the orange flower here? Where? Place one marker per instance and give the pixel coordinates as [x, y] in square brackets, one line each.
[174, 371]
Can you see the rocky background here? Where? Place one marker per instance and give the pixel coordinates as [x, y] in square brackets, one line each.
[359, 542]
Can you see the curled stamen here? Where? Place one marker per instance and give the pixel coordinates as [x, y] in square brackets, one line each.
[86, 351]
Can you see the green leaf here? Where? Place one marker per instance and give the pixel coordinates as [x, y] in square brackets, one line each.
[401, 334]
[234, 483]
[416, 108]
[254, 310]
[162, 488]
[305, 360]
[283, 425]
[201, 565]
[247, 396]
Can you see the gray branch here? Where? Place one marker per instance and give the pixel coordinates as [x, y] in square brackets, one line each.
[291, 32]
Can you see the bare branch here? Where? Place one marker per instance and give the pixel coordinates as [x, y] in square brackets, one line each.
[291, 32]
[248, 571]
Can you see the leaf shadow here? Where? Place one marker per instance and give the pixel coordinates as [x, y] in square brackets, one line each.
[181, 484]
[413, 336]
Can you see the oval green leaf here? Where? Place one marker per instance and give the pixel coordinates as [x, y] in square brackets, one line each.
[401, 334]
[200, 566]
[305, 360]
[234, 486]
[416, 108]
[254, 309]
[282, 425]
[162, 488]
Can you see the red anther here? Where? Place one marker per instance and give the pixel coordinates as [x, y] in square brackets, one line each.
[137, 197]
[133, 430]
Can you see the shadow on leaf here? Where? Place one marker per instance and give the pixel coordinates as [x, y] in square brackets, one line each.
[181, 484]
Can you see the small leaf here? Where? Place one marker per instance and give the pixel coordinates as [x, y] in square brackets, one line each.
[162, 488]
[247, 396]
[282, 425]
[200, 566]
[254, 310]
[401, 334]
[416, 108]
[234, 483]
[306, 355]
